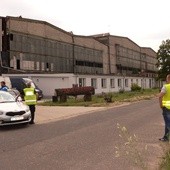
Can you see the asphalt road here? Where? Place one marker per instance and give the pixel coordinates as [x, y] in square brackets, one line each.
[85, 142]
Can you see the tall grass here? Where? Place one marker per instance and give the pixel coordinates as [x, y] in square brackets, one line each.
[98, 100]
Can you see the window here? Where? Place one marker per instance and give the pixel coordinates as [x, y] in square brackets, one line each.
[112, 83]
[142, 83]
[94, 83]
[28, 65]
[103, 82]
[136, 81]
[119, 83]
[82, 82]
[47, 66]
[42, 66]
[13, 62]
[18, 64]
[38, 65]
[126, 82]
[52, 66]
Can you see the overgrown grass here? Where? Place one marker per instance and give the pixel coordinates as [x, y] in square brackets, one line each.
[165, 164]
[165, 161]
[98, 100]
[129, 148]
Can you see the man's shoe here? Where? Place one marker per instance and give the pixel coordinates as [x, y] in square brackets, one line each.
[164, 139]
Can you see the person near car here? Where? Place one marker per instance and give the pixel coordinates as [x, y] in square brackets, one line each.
[164, 101]
[3, 86]
[30, 97]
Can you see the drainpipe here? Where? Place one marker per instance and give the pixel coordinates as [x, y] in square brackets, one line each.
[109, 54]
[73, 52]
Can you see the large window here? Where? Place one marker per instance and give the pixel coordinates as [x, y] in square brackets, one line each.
[42, 66]
[126, 82]
[42, 50]
[119, 83]
[103, 83]
[112, 83]
[94, 83]
[28, 65]
[82, 82]
[37, 65]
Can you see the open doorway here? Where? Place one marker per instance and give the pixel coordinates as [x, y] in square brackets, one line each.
[18, 64]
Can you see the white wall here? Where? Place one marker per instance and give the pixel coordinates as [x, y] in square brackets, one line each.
[49, 82]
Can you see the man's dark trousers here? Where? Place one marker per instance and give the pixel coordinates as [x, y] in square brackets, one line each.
[32, 109]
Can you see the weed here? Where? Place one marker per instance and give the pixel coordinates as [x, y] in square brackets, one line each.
[129, 148]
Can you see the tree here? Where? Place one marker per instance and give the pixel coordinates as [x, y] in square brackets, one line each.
[163, 56]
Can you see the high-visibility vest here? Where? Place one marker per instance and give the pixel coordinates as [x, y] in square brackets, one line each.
[30, 96]
[166, 97]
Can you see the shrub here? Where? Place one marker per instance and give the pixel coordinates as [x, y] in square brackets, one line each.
[121, 90]
[107, 97]
[135, 87]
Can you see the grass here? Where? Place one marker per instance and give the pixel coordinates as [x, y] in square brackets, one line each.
[165, 161]
[128, 148]
[165, 164]
[98, 100]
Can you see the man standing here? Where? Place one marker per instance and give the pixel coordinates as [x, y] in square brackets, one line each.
[3, 86]
[164, 101]
[30, 98]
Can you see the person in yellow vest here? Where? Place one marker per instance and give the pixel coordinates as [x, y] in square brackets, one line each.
[164, 101]
[30, 98]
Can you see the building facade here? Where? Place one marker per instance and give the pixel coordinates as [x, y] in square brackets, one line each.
[42, 51]
[127, 58]
[102, 83]
[39, 47]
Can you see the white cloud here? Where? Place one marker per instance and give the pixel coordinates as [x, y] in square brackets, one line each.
[145, 22]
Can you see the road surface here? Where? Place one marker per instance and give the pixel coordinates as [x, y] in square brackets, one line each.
[85, 142]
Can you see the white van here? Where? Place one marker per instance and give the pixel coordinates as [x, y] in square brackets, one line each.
[19, 83]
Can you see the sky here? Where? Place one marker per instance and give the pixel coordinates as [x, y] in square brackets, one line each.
[145, 22]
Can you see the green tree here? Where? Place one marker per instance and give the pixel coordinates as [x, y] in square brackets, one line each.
[163, 56]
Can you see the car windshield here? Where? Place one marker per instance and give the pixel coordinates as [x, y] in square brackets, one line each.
[6, 97]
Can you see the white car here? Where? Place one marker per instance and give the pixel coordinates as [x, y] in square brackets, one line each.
[12, 110]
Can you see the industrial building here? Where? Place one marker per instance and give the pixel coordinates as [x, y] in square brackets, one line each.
[43, 51]
[39, 47]
[127, 58]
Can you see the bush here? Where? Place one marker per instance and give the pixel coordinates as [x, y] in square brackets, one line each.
[107, 97]
[121, 90]
[135, 87]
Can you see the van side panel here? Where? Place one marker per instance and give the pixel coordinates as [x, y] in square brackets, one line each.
[0, 36]
[17, 83]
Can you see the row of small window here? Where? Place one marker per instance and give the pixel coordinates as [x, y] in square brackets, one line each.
[151, 60]
[87, 51]
[120, 82]
[125, 52]
[128, 62]
[89, 64]
[40, 66]
[122, 51]
[41, 46]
